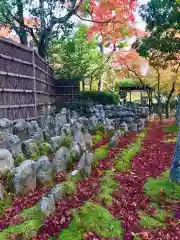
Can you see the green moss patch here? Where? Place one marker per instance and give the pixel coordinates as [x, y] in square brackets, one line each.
[154, 186]
[100, 154]
[171, 129]
[69, 187]
[153, 221]
[78, 177]
[108, 186]
[92, 217]
[124, 163]
[96, 138]
[33, 219]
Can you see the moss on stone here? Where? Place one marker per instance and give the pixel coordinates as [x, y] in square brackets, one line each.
[92, 217]
[44, 148]
[7, 179]
[67, 142]
[35, 155]
[18, 160]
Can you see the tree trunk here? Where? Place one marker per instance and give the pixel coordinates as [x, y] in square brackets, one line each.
[169, 99]
[44, 42]
[91, 78]
[21, 31]
[23, 36]
[167, 109]
[175, 168]
[90, 85]
[42, 50]
[42, 19]
[83, 85]
[158, 97]
[100, 83]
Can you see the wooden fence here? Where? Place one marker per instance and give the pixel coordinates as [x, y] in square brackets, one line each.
[27, 84]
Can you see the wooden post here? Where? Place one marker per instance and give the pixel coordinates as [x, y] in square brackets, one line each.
[34, 88]
[149, 100]
[141, 96]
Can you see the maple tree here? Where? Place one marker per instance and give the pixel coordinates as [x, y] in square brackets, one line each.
[112, 22]
[108, 17]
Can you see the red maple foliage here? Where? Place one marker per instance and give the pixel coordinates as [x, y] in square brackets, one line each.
[112, 19]
[129, 62]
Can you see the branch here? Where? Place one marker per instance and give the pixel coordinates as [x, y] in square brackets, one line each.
[171, 92]
[73, 10]
[101, 22]
[91, 20]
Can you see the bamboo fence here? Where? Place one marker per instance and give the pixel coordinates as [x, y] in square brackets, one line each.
[27, 84]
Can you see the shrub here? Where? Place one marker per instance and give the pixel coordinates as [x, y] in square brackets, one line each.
[100, 97]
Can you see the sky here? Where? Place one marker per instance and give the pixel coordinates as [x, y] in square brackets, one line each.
[140, 23]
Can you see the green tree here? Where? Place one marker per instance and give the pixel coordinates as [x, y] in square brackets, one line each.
[162, 46]
[75, 56]
[162, 21]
